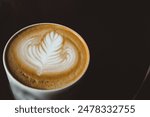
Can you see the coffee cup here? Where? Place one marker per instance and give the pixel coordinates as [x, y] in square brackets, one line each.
[44, 59]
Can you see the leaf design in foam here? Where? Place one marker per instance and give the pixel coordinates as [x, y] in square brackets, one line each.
[47, 52]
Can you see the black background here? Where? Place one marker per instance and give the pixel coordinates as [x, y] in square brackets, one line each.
[118, 36]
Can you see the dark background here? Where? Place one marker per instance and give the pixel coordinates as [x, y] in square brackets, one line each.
[118, 36]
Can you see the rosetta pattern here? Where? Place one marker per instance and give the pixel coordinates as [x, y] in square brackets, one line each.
[48, 54]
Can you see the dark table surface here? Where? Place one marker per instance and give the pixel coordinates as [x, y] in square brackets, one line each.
[118, 37]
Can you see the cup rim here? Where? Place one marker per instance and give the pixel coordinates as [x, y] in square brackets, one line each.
[44, 90]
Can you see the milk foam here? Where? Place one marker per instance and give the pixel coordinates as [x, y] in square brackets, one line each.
[48, 54]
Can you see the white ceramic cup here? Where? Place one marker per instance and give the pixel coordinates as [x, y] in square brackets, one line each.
[23, 92]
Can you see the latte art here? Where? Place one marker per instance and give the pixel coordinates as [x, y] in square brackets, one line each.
[49, 54]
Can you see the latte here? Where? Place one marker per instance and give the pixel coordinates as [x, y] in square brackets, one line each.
[47, 56]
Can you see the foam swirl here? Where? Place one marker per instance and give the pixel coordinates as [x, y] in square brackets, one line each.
[48, 54]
